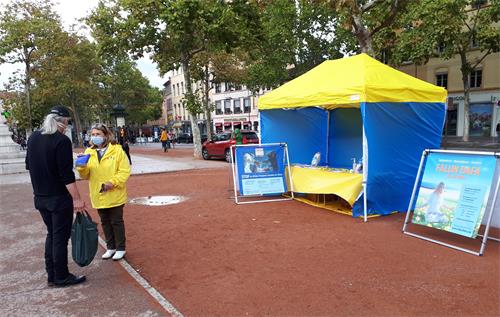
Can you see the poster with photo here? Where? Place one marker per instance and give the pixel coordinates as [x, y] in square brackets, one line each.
[261, 169]
[454, 192]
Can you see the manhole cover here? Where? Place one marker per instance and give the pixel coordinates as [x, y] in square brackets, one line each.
[157, 200]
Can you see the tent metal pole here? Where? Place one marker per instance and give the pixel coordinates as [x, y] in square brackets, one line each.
[233, 164]
[365, 172]
[327, 156]
[417, 179]
[289, 170]
[490, 216]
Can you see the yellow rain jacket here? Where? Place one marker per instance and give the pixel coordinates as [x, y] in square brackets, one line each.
[114, 168]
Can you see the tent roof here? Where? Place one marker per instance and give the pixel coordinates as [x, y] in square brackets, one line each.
[348, 82]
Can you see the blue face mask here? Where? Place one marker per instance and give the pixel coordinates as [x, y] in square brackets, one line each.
[97, 140]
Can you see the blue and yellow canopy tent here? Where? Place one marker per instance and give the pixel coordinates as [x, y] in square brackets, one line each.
[356, 107]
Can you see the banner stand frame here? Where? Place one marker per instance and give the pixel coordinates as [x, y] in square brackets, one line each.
[485, 236]
[233, 169]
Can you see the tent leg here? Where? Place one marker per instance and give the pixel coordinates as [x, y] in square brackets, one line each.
[365, 203]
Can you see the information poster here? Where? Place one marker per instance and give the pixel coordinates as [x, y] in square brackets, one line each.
[454, 192]
[261, 169]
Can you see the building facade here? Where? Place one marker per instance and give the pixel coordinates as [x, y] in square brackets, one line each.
[484, 112]
[235, 107]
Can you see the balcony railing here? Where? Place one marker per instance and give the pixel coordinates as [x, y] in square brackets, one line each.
[237, 110]
[246, 110]
[227, 111]
[218, 111]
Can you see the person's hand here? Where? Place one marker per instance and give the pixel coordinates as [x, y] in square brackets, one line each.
[78, 205]
[108, 186]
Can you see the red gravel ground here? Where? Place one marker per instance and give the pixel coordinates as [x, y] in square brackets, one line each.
[210, 257]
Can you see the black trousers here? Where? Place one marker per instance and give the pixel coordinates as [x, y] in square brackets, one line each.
[113, 227]
[57, 214]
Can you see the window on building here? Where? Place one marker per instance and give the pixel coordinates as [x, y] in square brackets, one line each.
[476, 78]
[237, 87]
[227, 106]
[182, 87]
[247, 105]
[178, 90]
[217, 87]
[237, 107]
[229, 87]
[440, 48]
[442, 80]
[218, 107]
[476, 4]
[474, 43]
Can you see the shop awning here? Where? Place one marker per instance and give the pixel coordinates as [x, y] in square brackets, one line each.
[227, 124]
[218, 124]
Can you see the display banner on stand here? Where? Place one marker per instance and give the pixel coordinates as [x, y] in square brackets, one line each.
[261, 170]
[451, 193]
[454, 192]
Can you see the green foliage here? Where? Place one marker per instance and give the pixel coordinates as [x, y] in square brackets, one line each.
[25, 26]
[293, 38]
[450, 24]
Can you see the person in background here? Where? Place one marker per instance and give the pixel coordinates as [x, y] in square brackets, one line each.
[164, 139]
[49, 159]
[238, 136]
[126, 149]
[107, 171]
[498, 132]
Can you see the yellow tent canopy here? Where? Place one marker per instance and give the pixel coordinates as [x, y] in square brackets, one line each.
[347, 82]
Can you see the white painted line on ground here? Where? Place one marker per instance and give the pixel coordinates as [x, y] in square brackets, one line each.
[150, 289]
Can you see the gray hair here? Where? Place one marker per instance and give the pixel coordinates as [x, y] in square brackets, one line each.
[52, 123]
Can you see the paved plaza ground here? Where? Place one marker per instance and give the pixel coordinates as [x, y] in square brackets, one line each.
[209, 257]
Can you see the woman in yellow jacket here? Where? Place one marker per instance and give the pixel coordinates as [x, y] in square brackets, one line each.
[107, 170]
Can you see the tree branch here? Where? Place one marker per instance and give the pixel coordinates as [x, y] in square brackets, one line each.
[388, 19]
[488, 52]
[368, 6]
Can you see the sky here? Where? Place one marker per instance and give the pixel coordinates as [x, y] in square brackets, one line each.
[70, 11]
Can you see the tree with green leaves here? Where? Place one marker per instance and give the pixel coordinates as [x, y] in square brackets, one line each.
[174, 31]
[293, 37]
[368, 19]
[25, 27]
[447, 28]
[68, 75]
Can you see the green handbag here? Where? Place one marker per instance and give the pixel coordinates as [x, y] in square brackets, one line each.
[84, 238]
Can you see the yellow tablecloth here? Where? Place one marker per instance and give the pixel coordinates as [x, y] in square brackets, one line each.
[326, 181]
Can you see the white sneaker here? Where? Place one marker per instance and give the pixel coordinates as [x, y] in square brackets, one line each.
[119, 255]
[108, 254]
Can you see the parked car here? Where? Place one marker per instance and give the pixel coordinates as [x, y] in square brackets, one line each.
[184, 138]
[221, 143]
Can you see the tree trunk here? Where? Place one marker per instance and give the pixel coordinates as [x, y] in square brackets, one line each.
[78, 126]
[192, 116]
[206, 103]
[363, 36]
[465, 68]
[27, 90]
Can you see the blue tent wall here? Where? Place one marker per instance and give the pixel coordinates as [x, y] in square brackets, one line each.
[397, 133]
[304, 130]
[345, 139]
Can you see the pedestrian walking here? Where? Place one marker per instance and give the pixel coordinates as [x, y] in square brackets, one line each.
[126, 149]
[164, 139]
[49, 159]
[107, 171]
[498, 132]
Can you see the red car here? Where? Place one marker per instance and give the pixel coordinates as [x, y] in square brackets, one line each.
[221, 143]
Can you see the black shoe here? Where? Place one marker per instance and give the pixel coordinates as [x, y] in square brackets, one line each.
[51, 284]
[70, 280]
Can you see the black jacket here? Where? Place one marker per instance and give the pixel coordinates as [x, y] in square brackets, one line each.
[49, 159]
